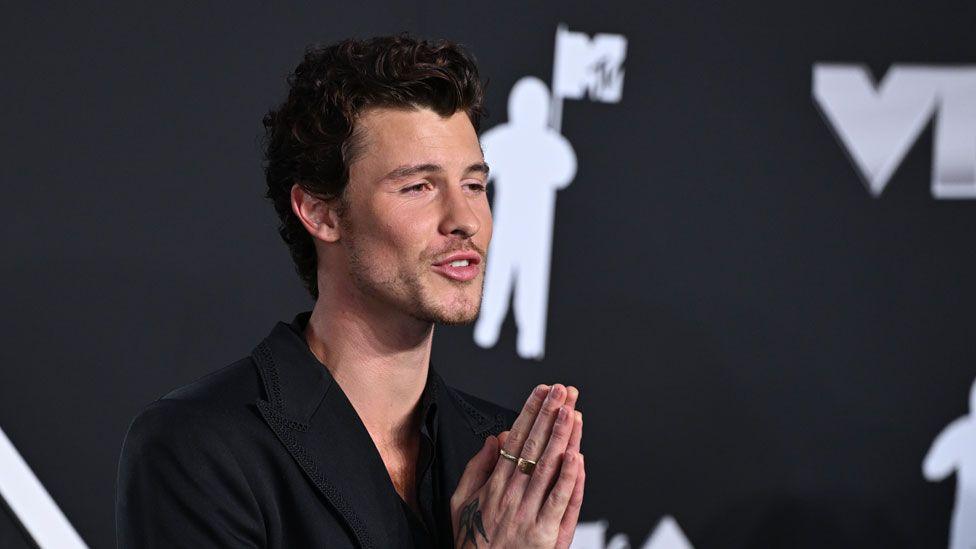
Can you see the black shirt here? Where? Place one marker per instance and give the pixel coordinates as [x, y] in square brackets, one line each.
[427, 532]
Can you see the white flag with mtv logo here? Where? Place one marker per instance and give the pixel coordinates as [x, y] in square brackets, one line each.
[588, 66]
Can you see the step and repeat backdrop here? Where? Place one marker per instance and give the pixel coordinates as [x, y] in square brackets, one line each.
[744, 231]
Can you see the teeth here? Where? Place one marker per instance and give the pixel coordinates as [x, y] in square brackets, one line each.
[460, 263]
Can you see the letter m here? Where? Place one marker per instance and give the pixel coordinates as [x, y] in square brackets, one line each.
[877, 125]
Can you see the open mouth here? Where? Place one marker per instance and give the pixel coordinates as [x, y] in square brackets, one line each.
[461, 266]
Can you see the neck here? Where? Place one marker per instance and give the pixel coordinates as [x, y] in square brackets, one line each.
[380, 359]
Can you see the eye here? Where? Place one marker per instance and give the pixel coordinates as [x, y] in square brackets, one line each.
[414, 189]
[477, 186]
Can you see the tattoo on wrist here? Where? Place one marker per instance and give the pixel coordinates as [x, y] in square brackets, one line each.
[470, 521]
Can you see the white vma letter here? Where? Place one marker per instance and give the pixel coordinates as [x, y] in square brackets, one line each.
[31, 503]
[954, 451]
[878, 125]
[531, 160]
[667, 535]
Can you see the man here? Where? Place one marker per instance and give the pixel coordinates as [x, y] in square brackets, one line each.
[336, 431]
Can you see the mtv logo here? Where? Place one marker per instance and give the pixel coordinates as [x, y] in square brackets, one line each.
[589, 66]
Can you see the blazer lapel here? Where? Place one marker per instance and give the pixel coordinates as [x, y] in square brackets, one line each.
[314, 420]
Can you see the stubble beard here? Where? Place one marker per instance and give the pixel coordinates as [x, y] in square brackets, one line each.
[406, 290]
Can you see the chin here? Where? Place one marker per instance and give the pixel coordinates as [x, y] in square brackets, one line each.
[451, 305]
[460, 319]
[457, 312]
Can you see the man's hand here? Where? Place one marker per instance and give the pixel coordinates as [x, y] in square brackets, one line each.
[495, 505]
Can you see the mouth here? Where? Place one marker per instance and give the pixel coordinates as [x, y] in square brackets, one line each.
[460, 266]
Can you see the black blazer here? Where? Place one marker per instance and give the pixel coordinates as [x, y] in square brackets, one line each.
[268, 452]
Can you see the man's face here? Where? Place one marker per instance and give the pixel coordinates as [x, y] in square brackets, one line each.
[416, 200]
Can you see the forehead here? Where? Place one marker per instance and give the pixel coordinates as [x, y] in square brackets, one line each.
[394, 137]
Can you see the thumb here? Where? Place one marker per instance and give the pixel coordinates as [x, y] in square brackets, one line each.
[475, 475]
[477, 470]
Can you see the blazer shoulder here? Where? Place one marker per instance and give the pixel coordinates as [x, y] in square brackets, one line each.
[184, 463]
[215, 402]
[167, 421]
[234, 382]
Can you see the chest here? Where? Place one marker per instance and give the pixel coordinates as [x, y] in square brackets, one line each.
[401, 466]
[404, 478]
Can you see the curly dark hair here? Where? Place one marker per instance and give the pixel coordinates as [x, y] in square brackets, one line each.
[310, 138]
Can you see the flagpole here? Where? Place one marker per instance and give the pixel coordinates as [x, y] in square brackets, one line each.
[556, 100]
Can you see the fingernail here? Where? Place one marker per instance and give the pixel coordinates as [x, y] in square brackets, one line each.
[562, 413]
[541, 391]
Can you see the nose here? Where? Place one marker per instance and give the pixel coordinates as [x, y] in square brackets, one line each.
[458, 218]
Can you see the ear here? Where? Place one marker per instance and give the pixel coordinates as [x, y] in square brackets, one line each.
[320, 217]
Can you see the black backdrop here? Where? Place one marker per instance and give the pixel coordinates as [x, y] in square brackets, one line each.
[765, 351]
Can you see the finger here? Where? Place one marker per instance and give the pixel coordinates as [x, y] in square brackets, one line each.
[536, 441]
[553, 509]
[504, 481]
[546, 469]
[501, 438]
[572, 394]
[476, 472]
[567, 527]
[577, 436]
[519, 431]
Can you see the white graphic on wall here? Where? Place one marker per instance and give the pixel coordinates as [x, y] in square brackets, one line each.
[529, 163]
[954, 451]
[31, 504]
[593, 535]
[530, 160]
[877, 125]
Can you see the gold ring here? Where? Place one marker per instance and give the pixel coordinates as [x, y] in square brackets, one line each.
[525, 465]
[506, 455]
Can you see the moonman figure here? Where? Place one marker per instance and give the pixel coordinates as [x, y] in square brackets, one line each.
[336, 431]
[954, 451]
[529, 162]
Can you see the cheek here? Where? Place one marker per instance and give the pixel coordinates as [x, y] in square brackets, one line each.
[385, 228]
[404, 236]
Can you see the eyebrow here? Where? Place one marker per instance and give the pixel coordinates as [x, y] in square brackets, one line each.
[403, 172]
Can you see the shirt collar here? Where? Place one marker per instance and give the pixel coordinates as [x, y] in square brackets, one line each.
[428, 404]
[428, 398]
